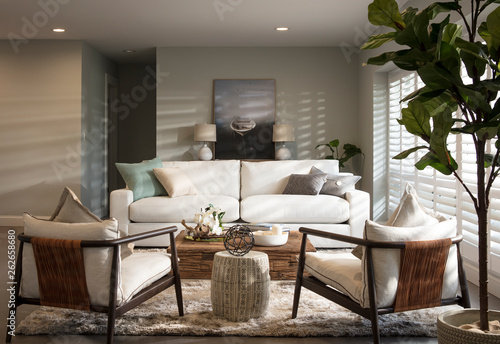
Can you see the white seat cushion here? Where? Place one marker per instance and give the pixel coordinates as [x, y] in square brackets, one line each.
[141, 269]
[295, 209]
[167, 209]
[340, 271]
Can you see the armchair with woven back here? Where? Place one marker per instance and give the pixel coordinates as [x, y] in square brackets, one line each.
[411, 262]
[392, 276]
[87, 265]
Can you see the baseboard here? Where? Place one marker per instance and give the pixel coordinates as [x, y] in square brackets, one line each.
[472, 274]
[6, 220]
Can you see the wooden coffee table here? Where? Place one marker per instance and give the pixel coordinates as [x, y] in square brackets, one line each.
[196, 257]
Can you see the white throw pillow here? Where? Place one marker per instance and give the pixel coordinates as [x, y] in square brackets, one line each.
[386, 262]
[176, 182]
[409, 213]
[97, 261]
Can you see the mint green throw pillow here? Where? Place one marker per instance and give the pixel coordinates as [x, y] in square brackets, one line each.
[141, 179]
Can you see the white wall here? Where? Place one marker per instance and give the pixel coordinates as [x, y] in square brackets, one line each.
[40, 131]
[316, 90]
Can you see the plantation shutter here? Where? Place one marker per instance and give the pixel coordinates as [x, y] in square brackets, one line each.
[441, 193]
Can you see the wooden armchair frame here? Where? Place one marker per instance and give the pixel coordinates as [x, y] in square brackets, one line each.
[113, 310]
[338, 297]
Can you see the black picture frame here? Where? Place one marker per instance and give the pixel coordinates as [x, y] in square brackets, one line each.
[244, 115]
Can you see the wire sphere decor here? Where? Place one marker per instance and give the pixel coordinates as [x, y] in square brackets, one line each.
[239, 240]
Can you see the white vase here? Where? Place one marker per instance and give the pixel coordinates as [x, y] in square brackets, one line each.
[449, 332]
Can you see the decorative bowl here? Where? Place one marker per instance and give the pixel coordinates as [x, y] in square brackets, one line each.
[269, 240]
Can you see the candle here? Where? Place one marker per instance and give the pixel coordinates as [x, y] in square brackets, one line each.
[277, 229]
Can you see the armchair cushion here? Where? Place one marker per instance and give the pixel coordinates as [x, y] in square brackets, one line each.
[141, 270]
[97, 261]
[386, 262]
[71, 210]
[340, 271]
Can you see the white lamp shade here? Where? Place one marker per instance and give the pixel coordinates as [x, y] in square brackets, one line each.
[283, 133]
[205, 132]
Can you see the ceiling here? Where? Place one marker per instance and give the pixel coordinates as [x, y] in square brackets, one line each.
[112, 26]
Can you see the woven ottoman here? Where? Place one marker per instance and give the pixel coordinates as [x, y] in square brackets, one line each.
[240, 285]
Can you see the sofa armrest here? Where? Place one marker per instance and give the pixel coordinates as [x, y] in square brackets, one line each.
[359, 208]
[119, 202]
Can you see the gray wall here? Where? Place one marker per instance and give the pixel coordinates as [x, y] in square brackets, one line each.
[94, 193]
[316, 91]
[136, 115]
[40, 131]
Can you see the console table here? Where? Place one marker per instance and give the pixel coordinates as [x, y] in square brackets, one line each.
[196, 257]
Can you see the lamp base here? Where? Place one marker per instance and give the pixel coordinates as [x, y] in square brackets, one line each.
[283, 153]
[205, 153]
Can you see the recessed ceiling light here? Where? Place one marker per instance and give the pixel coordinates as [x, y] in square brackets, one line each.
[282, 28]
[128, 51]
[58, 29]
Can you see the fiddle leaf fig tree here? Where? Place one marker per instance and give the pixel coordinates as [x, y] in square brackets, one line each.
[436, 49]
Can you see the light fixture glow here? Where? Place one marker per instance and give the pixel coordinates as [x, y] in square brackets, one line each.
[282, 28]
[128, 51]
[58, 29]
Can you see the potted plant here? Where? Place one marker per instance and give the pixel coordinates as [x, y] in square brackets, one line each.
[350, 151]
[436, 51]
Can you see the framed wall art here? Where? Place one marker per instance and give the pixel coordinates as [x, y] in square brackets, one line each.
[244, 114]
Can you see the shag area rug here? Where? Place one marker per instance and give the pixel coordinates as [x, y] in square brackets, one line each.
[158, 316]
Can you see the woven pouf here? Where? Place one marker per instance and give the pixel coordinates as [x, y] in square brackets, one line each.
[450, 333]
[240, 285]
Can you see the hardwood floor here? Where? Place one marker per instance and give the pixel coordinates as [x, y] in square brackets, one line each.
[24, 310]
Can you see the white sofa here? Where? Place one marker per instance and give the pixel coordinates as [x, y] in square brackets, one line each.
[249, 192]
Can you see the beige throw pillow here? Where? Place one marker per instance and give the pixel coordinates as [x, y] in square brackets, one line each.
[71, 210]
[176, 182]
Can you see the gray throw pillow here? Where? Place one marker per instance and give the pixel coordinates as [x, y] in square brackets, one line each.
[305, 184]
[336, 185]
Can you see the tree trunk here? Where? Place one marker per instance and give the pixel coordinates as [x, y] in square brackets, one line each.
[482, 219]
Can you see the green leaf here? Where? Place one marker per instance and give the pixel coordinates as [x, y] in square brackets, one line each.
[439, 136]
[385, 13]
[493, 23]
[416, 120]
[438, 7]
[432, 160]
[406, 153]
[451, 32]
[415, 35]
[335, 143]
[383, 58]
[475, 100]
[488, 160]
[376, 41]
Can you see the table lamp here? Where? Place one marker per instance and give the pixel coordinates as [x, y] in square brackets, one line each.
[283, 133]
[205, 133]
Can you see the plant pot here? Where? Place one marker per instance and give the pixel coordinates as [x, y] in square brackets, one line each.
[449, 332]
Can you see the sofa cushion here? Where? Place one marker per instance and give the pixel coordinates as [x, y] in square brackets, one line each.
[305, 184]
[336, 184]
[386, 262]
[167, 209]
[175, 182]
[341, 271]
[97, 281]
[141, 179]
[271, 177]
[294, 209]
[215, 177]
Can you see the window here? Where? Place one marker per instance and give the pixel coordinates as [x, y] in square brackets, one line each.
[443, 194]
